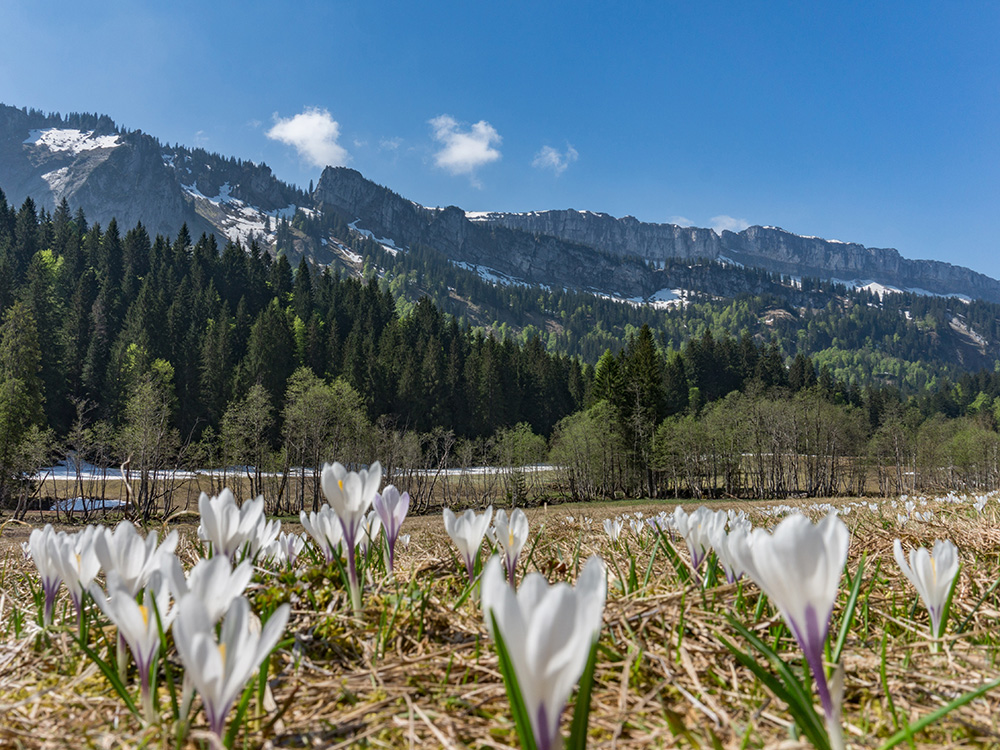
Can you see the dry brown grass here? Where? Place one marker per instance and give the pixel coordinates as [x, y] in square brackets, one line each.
[664, 679]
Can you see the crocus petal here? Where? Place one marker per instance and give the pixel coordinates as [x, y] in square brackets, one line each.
[548, 631]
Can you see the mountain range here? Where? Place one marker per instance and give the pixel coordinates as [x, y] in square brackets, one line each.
[108, 172]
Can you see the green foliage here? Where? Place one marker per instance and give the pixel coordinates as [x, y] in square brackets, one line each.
[429, 347]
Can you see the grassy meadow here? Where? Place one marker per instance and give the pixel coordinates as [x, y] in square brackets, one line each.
[418, 669]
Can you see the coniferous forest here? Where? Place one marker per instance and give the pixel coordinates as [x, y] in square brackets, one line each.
[165, 352]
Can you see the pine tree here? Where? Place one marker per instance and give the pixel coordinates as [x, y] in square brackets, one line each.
[21, 399]
[607, 379]
[39, 294]
[25, 239]
[20, 367]
[270, 356]
[302, 299]
[280, 279]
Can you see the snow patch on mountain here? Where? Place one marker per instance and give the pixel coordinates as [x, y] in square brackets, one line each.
[667, 298]
[661, 300]
[239, 221]
[387, 244]
[880, 290]
[495, 277]
[924, 293]
[57, 179]
[70, 140]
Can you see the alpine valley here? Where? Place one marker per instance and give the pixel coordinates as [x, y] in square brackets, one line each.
[580, 281]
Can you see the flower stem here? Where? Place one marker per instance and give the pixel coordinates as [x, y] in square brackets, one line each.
[122, 653]
[352, 577]
[834, 732]
[148, 711]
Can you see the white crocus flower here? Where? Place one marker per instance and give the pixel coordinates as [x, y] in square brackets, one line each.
[46, 545]
[467, 532]
[548, 632]
[131, 556]
[729, 548]
[370, 529]
[285, 549]
[637, 526]
[613, 528]
[216, 583]
[511, 534]
[78, 564]
[680, 520]
[799, 568]
[351, 493]
[391, 507]
[226, 525]
[220, 669]
[325, 529]
[137, 626]
[263, 535]
[701, 526]
[933, 574]
[662, 522]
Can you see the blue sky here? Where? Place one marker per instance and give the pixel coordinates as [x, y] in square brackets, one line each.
[874, 123]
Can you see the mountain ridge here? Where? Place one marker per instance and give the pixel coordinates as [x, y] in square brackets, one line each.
[110, 172]
[768, 247]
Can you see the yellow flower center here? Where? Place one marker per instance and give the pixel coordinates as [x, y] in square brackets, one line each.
[144, 611]
[341, 483]
[222, 652]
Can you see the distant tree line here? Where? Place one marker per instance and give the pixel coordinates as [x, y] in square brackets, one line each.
[727, 418]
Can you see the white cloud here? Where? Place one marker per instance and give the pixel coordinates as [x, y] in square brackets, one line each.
[681, 221]
[550, 158]
[464, 151]
[314, 135]
[390, 144]
[723, 222]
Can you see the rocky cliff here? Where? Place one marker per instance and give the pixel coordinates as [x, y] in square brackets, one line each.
[538, 259]
[769, 248]
[111, 172]
[129, 175]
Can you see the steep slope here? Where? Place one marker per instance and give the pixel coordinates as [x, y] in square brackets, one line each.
[111, 172]
[524, 257]
[89, 162]
[770, 248]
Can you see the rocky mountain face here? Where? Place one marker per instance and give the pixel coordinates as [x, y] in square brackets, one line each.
[586, 250]
[770, 248]
[525, 257]
[111, 172]
[90, 163]
[132, 177]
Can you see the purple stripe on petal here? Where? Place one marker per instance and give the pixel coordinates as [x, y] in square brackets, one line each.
[50, 586]
[542, 738]
[511, 568]
[811, 642]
